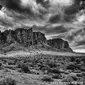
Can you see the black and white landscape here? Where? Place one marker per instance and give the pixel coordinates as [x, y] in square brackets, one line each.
[42, 42]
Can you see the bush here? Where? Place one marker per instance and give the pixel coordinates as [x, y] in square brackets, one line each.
[47, 79]
[54, 70]
[19, 64]
[82, 68]
[52, 64]
[73, 67]
[79, 75]
[25, 68]
[8, 81]
[10, 63]
[74, 78]
[72, 59]
[57, 76]
[0, 65]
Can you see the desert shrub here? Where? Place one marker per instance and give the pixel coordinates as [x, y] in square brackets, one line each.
[54, 70]
[71, 80]
[83, 74]
[47, 79]
[72, 59]
[44, 67]
[80, 75]
[57, 76]
[8, 81]
[52, 64]
[67, 79]
[77, 61]
[4, 61]
[74, 78]
[25, 68]
[11, 63]
[19, 64]
[11, 67]
[82, 68]
[73, 67]
[0, 65]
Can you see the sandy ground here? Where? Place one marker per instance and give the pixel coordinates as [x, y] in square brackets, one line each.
[32, 53]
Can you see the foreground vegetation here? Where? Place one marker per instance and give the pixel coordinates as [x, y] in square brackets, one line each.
[42, 70]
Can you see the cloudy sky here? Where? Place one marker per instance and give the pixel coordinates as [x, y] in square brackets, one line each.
[56, 18]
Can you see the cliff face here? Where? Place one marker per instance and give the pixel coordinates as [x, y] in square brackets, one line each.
[39, 38]
[59, 44]
[26, 38]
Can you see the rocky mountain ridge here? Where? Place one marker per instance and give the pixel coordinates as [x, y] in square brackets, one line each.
[27, 38]
[60, 44]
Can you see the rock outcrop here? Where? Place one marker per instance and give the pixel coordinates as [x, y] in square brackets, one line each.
[39, 38]
[26, 38]
[59, 44]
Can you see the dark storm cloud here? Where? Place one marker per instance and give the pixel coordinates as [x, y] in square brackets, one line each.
[73, 10]
[16, 6]
[80, 4]
[0, 7]
[55, 18]
[21, 13]
[25, 7]
[43, 3]
[76, 38]
[75, 7]
[69, 18]
[11, 4]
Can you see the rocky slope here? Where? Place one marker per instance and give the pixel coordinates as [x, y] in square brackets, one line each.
[26, 38]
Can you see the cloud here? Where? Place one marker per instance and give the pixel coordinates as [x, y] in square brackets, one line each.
[0, 7]
[24, 6]
[34, 11]
[14, 14]
[80, 48]
[55, 18]
[55, 30]
[62, 2]
[44, 3]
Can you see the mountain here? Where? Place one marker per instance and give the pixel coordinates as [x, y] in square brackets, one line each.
[26, 37]
[60, 44]
[21, 38]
